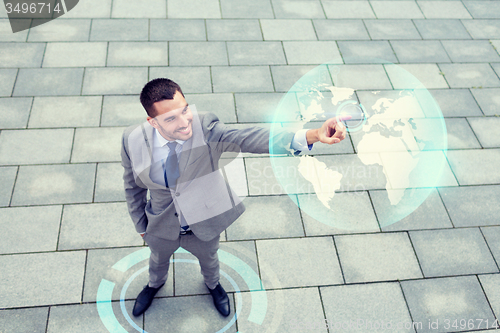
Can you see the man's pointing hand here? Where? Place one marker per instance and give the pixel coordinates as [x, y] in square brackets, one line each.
[332, 131]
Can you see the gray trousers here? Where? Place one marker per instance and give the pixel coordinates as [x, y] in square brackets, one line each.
[162, 250]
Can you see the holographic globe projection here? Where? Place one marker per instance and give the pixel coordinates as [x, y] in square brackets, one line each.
[392, 158]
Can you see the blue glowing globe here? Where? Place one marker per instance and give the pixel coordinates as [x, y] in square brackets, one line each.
[392, 159]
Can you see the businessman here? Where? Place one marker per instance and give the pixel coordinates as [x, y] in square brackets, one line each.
[175, 155]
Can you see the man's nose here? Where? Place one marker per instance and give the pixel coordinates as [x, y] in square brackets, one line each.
[184, 121]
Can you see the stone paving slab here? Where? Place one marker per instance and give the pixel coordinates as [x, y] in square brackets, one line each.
[444, 9]
[261, 107]
[7, 179]
[242, 79]
[222, 104]
[8, 77]
[256, 53]
[391, 29]
[488, 100]
[88, 145]
[484, 128]
[53, 278]
[182, 29]
[363, 307]
[491, 235]
[352, 213]
[437, 303]
[90, 9]
[288, 310]
[363, 77]
[489, 283]
[48, 82]
[415, 51]
[284, 77]
[127, 9]
[96, 225]
[340, 30]
[197, 53]
[238, 9]
[71, 111]
[483, 9]
[100, 264]
[122, 111]
[452, 252]
[285, 223]
[396, 9]
[75, 54]
[76, 30]
[428, 75]
[35, 146]
[21, 54]
[431, 214]
[282, 29]
[231, 30]
[441, 29]
[6, 34]
[30, 229]
[363, 51]
[470, 51]
[15, 111]
[348, 9]
[119, 30]
[24, 320]
[191, 79]
[469, 172]
[194, 9]
[460, 135]
[305, 53]
[377, 257]
[288, 9]
[470, 75]
[109, 183]
[464, 212]
[82, 318]
[137, 54]
[457, 102]
[111, 81]
[54, 184]
[316, 256]
[482, 29]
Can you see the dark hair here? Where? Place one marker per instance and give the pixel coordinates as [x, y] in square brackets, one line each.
[158, 90]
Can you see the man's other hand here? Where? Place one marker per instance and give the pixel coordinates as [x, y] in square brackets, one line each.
[332, 131]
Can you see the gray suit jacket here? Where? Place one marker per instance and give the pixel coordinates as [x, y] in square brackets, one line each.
[202, 195]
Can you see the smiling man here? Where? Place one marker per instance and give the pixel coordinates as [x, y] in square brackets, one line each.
[175, 156]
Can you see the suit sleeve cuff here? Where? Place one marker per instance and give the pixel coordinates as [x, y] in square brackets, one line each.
[299, 141]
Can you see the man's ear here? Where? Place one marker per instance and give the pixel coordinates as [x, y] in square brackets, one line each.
[152, 122]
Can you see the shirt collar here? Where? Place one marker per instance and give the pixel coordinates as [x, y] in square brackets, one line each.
[161, 141]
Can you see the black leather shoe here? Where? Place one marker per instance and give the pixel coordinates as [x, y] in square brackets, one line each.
[221, 301]
[144, 300]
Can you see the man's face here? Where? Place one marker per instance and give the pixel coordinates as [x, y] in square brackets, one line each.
[174, 118]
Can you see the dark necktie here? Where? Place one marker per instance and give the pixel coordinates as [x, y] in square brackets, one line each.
[171, 166]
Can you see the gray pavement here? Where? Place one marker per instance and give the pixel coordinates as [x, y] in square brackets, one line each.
[69, 87]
